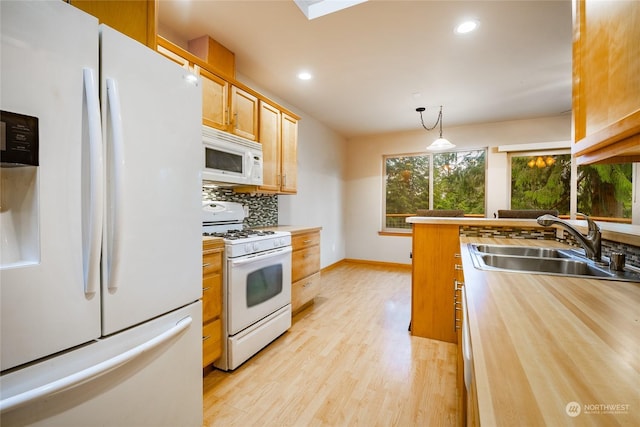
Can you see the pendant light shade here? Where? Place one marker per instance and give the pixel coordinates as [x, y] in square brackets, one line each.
[440, 143]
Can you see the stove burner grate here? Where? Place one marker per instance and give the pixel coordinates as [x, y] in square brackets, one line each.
[239, 234]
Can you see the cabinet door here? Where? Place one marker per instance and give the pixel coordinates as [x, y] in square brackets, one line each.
[244, 110]
[134, 18]
[173, 56]
[606, 80]
[289, 154]
[270, 122]
[215, 100]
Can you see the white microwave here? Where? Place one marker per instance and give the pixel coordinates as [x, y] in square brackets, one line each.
[230, 160]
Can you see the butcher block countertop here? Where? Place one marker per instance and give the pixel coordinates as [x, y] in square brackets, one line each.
[545, 345]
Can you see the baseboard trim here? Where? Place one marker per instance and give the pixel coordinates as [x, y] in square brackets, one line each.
[364, 261]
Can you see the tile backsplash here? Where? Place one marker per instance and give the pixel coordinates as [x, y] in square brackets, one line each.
[263, 208]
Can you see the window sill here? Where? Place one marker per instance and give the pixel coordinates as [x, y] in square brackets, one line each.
[395, 233]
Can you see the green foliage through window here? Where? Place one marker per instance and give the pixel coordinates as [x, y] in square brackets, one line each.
[407, 187]
[458, 183]
[544, 182]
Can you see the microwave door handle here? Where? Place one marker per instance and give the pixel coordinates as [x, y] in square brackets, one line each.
[249, 165]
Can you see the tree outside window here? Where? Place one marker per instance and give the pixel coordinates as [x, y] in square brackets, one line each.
[406, 187]
[459, 180]
[544, 182]
[541, 182]
[458, 183]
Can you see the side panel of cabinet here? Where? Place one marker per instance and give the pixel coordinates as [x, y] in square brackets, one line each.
[606, 80]
[289, 154]
[270, 138]
[432, 309]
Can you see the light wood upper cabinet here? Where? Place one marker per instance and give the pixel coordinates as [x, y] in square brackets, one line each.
[270, 138]
[279, 139]
[606, 81]
[289, 154]
[136, 18]
[244, 113]
[215, 100]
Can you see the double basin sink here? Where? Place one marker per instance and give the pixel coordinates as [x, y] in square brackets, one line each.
[562, 262]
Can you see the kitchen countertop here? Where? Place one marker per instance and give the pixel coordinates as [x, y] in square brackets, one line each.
[541, 342]
[623, 233]
[293, 229]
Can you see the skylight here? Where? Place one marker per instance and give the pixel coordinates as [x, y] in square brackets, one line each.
[317, 8]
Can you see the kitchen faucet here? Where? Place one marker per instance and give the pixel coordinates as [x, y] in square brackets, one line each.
[591, 242]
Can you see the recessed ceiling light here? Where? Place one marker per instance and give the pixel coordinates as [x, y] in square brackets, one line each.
[304, 75]
[467, 27]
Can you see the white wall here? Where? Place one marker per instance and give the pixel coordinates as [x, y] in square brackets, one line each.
[320, 200]
[364, 181]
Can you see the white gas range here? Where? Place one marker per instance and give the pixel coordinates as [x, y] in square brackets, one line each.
[257, 283]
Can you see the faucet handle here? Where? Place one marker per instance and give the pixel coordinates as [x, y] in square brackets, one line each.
[593, 227]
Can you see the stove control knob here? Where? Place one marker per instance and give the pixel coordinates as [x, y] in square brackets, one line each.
[247, 248]
[256, 247]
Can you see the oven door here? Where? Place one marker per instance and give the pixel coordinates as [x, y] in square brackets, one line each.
[258, 285]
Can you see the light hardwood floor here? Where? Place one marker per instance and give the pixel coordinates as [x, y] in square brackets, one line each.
[348, 360]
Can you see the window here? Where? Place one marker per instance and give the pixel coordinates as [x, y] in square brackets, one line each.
[406, 188]
[605, 191]
[457, 180]
[543, 181]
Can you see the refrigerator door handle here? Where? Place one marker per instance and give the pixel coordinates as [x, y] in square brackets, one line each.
[95, 371]
[114, 256]
[96, 195]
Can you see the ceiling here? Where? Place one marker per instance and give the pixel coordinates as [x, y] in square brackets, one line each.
[374, 63]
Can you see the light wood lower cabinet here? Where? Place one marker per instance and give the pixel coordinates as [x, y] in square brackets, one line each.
[458, 283]
[432, 281]
[305, 268]
[212, 252]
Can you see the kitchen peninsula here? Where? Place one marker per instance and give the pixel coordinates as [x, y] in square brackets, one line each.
[545, 349]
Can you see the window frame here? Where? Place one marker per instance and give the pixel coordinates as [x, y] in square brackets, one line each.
[407, 231]
[573, 203]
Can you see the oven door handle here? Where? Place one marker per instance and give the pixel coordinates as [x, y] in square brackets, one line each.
[261, 256]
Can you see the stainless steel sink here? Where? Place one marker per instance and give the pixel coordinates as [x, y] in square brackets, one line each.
[561, 262]
[567, 267]
[527, 251]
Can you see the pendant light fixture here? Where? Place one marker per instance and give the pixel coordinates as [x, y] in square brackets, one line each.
[440, 143]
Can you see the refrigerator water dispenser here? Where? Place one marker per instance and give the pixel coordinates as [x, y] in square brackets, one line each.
[19, 238]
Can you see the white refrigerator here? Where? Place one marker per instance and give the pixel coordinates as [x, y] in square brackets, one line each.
[100, 239]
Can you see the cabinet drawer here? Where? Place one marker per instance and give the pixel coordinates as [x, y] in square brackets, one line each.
[304, 291]
[301, 241]
[211, 296]
[211, 342]
[211, 262]
[305, 262]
